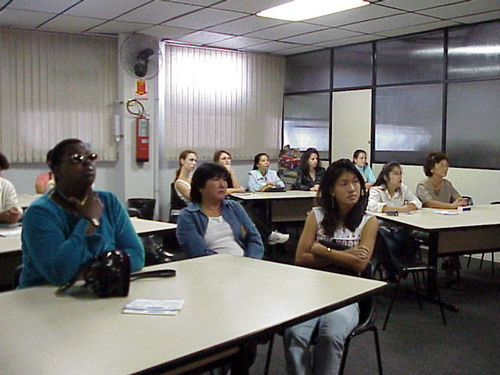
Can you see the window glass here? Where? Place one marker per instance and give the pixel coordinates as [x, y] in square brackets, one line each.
[306, 121]
[308, 72]
[408, 122]
[352, 66]
[473, 125]
[410, 59]
[474, 51]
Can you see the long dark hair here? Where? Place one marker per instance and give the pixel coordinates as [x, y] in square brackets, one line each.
[383, 176]
[183, 155]
[304, 161]
[202, 174]
[331, 221]
[256, 159]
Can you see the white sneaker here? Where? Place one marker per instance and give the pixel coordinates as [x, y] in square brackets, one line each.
[277, 237]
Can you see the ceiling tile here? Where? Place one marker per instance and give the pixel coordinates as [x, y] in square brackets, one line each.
[167, 32]
[463, 9]
[104, 9]
[488, 16]
[196, 2]
[245, 25]
[118, 27]
[238, 42]
[23, 18]
[321, 36]
[294, 50]
[203, 37]
[271, 47]
[388, 23]
[70, 24]
[418, 28]
[204, 18]
[352, 40]
[249, 6]
[50, 6]
[286, 30]
[157, 12]
[412, 5]
[354, 15]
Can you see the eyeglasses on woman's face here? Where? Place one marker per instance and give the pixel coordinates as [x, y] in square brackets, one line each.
[80, 158]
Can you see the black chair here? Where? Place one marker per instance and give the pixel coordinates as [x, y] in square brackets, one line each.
[405, 266]
[366, 324]
[134, 212]
[176, 204]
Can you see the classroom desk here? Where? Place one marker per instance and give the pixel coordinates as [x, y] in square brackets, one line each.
[467, 232]
[24, 200]
[292, 205]
[228, 301]
[10, 246]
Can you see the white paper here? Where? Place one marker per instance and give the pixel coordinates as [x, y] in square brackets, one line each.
[153, 306]
[446, 212]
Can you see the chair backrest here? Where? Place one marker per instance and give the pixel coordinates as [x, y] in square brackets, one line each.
[134, 212]
[400, 245]
[366, 304]
[176, 203]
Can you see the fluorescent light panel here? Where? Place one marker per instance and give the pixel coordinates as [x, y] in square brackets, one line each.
[299, 10]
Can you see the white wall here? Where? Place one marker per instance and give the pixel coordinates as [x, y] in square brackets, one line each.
[351, 120]
[481, 185]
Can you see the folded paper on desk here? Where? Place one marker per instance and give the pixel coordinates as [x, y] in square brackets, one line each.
[154, 306]
[445, 212]
[10, 232]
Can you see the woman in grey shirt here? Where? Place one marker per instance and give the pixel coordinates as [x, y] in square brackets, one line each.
[437, 192]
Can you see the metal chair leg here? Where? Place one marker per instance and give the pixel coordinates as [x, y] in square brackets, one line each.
[269, 353]
[392, 302]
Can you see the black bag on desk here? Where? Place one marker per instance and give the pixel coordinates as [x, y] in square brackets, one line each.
[107, 274]
[275, 189]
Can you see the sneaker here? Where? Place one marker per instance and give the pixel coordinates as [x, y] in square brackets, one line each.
[277, 237]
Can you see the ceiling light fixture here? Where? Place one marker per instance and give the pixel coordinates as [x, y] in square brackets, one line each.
[299, 10]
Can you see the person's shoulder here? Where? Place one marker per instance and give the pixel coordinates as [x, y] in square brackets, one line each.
[106, 195]
[424, 181]
[5, 182]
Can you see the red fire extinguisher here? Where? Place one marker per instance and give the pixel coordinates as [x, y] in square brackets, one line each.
[141, 139]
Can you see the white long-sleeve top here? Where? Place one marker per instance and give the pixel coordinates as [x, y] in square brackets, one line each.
[379, 197]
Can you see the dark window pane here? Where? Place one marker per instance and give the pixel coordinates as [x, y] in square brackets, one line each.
[474, 51]
[352, 66]
[308, 72]
[473, 124]
[410, 59]
[408, 122]
[306, 121]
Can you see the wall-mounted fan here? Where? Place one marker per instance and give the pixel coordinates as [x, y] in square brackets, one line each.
[140, 56]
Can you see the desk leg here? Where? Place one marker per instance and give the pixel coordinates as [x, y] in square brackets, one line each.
[432, 282]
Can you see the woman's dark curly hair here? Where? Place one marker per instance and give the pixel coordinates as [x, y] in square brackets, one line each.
[331, 221]
[304, 161]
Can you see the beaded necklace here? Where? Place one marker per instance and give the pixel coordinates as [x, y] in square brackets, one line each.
[81, 203]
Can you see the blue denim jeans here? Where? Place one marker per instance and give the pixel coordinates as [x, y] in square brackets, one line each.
[324, 358]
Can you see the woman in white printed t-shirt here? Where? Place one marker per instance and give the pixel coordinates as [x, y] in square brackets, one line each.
[339, 219]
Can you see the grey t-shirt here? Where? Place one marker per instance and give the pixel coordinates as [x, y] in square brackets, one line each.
[447, 193]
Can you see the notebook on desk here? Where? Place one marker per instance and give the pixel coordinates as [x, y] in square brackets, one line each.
[275, 189]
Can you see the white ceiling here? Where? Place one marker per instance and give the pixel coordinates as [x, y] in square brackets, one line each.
[233, 23]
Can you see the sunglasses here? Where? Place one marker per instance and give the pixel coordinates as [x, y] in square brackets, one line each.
[79, 158]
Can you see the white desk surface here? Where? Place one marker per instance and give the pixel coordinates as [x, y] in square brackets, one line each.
[290, 194]
[13, 243]
[24, 200]
[227, 299]
[428, 219]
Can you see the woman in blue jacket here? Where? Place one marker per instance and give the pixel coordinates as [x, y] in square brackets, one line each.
[212, 224]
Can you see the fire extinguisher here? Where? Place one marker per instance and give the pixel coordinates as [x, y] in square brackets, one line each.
[142, 139]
